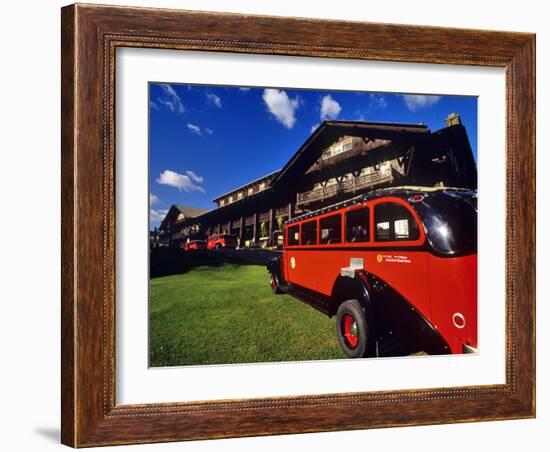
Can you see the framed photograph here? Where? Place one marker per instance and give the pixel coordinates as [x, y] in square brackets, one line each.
[282, 225]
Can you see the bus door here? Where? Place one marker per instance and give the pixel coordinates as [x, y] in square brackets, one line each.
[398, 258]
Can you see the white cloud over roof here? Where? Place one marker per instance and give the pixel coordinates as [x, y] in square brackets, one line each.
[281, 106]
[330, 109]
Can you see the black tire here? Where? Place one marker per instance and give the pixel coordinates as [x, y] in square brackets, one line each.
[356, 339]
[274, 283]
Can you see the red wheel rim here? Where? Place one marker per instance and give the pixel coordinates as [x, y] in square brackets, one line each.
[273, 283]
[349, 326]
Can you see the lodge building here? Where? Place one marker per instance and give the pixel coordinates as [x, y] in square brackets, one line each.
[339, 160]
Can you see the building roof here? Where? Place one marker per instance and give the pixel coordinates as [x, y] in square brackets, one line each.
[190, 212]
[187, 211]
[330, 131]
[255, 181]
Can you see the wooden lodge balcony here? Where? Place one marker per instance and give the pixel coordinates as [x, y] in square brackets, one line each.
[348, 186]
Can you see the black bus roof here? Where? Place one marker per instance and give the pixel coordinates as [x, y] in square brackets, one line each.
[401, 192]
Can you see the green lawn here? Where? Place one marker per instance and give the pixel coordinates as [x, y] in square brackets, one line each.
[227, 314]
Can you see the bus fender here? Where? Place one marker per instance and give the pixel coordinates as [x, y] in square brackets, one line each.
[401, 328]
[346, 287]
[274, 267]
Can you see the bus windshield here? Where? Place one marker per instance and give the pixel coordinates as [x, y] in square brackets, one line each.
[450, 222]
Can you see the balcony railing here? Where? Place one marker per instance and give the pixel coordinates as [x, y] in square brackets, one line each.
[347, 186]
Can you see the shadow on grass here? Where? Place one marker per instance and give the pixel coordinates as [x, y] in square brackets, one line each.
[175, 261]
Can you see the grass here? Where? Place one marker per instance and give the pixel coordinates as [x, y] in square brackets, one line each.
[227, 314]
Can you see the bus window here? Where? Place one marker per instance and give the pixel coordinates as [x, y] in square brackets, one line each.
[293, 237]
[309, 233]
[394, 222]
[331, 229]
[451, 224]
[357, 225]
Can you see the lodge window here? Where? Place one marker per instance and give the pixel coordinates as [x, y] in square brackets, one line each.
[309, 233]
[357, 225]
[331, 229]
[293, 235]
[394, 222]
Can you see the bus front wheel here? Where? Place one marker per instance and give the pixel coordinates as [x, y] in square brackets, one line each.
[352, 329]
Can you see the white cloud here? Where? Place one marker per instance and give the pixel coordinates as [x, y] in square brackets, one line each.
[359, 115]
[194, 128]
[170, 99]
[153, 105]
[157, 215]
[416, 102]
[213, 99]
[314, 127]
[198, 130]
[281, 106]
[244, 89]
[195, 177]
[377, 102]
[183, 182]
[330, 109]
[153, 199]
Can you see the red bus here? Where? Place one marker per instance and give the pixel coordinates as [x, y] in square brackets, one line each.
[194, 245]
[222, 241]
[397, 267]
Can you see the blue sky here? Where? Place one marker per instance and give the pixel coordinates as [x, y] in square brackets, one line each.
[206, 140]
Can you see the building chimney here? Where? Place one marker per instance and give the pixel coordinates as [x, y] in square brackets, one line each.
[453, 120]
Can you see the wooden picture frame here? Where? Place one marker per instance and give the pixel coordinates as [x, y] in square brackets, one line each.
[90, 36]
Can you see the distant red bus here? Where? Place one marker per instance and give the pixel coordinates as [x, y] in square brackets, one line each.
[194, 245]
[397, 267]
[222, 241]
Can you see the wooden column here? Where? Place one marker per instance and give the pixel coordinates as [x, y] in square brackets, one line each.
[271, 226]
[241, 233]
[290, 210]
[255, 228]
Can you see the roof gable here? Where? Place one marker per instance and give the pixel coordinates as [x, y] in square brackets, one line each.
[177, 209]
[330, 131]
